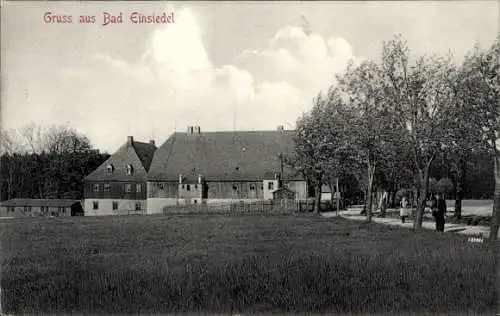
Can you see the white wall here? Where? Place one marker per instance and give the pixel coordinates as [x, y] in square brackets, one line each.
[156, 205]
[268, 194]
[125, 207]
[326, 196]
[300, 189]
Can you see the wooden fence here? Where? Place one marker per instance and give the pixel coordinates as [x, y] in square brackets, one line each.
[254, 207]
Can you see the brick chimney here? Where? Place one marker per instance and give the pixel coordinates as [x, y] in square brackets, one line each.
[130, 141]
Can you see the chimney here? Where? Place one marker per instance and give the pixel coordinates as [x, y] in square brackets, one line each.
[152, 142]
[190, 130]
[199, 178]
[130, 141]
[197, 130]
[180, 178]
[280, 128]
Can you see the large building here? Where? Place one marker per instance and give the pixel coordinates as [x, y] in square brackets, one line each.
[215, 167]
[118, 186]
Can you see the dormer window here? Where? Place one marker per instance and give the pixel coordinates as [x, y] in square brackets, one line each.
[130, 169]
[109, 169]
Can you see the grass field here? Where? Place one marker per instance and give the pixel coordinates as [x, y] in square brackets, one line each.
[238, 264]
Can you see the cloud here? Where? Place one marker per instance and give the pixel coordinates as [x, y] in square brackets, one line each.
[175, 84]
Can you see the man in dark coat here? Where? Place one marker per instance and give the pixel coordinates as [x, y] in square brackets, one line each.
[439, 213]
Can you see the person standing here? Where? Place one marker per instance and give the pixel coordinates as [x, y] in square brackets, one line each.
[440, 212]
[403, 212]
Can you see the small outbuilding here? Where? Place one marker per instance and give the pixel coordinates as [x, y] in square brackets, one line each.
[40, 207]
[283, 194]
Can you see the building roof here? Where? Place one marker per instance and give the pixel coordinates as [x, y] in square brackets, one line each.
[137, 154]
[223, 156]
[39, 202]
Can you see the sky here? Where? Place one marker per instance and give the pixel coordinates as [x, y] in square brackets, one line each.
[220, 65]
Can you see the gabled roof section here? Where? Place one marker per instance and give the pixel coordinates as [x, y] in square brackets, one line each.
[145, 152]
[223, 156]
[138, 155]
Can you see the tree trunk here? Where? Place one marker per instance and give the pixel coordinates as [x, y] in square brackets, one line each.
[317, 189]
[495, 216]
[393, 198]
[332, 200]
[369, 189]
[383, 204]
[365, 200]
[424, 186]
[460, 176]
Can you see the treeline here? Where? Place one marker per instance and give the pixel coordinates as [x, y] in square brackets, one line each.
[46, 163]
[410, 126]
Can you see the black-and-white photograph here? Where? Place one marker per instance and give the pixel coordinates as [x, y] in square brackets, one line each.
[243, 158]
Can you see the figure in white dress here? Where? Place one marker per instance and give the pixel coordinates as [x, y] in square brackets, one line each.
[404, 212]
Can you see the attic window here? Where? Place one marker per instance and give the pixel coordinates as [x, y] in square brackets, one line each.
[109, 169]
[130, 169]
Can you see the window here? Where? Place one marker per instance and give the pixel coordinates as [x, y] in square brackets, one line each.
[63, 209]
[96, 187]
[188, 187]
[107, 187]
[128, 188]
[10, 209]
[115, 206]
[130, 169]
[138, 188]
[109, 169]
[183, 186]
[137, 206]
[270, 185]
[252, 187]
[161, 186]
[95, 205]
[235, 188]
[195, 201]
[196, 186]
[27, 208]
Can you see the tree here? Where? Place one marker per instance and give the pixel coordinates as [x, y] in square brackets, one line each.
[310, 150]
[372, 126]
[320, 141]
[425, 94]
[46, 163]
[481, 92]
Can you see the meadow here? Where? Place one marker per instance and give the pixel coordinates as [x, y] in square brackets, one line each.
[239, 264]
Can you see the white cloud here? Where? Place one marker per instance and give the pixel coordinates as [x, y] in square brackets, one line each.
[175, 84]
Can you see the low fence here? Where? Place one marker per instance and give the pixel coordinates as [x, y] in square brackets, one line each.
[253, 207]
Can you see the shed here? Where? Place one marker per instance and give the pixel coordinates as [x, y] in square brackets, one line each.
[283, 194]
[40, 207]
